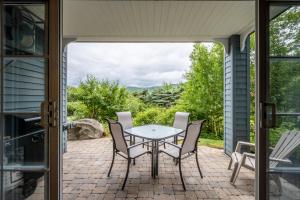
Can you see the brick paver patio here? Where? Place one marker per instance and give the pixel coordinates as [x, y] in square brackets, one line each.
[87, 162]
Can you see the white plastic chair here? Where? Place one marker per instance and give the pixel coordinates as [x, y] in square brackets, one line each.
[285, 146]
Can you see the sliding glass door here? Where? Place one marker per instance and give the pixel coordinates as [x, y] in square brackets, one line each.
[279, 101]
[283, 132]
[27, 114]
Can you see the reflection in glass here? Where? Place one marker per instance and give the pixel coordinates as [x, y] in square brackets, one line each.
[284, 31]
[284, 92]
[24, 29]
[284, 82]
[25, 141]
[20, 185]
[24, 85]
[24, 91]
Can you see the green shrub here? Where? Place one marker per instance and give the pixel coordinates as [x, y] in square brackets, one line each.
[76, 110]
[156, 115]
[98, 99]
[134, 105]
[151, 115]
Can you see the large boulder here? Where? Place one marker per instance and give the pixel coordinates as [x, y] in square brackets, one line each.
[85, 129]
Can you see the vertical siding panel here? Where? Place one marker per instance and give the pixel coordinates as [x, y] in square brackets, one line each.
[236, 94]
[64, 96]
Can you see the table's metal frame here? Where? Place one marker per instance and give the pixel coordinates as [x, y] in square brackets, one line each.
[155, 149]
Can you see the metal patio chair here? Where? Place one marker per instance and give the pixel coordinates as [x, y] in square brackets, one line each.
[121, 148]
[181, 121]
[285, 146]
[125, 118]
[188, 147]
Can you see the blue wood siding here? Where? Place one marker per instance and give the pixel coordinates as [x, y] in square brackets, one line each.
[236, 95]
[64, 96]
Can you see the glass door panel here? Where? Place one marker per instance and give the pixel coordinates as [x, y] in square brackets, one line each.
[283, 97]
[24, 27]
[24, 91]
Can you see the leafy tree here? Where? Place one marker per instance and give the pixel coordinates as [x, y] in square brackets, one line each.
[164, 96]
[285, 41]
[203, 91]
[285, 34]
[100, 98]
[134, 105]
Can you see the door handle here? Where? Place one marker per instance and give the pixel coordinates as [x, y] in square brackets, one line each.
[49, 114]
[53, 114]
[264, 122]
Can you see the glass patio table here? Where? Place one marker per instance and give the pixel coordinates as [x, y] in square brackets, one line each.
[154, 133]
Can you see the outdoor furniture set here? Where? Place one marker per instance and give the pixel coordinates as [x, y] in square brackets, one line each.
[155, 136]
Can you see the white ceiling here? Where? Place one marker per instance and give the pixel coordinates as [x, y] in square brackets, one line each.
[156, 21]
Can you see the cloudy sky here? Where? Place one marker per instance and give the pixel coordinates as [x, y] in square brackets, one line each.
[133, 64]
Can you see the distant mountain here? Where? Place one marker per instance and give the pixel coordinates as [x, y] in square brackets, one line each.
[139, 89]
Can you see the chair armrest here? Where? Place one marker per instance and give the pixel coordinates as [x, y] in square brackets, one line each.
[241, 143]
[251, 155]
[280, 160]
[175, 145]
[271, 158]
[137, 144]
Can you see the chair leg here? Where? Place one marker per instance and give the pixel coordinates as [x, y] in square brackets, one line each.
[130, 140]
[176, 161]
[183, 185]
[143, 143]
[127, 172]
[196, 155]
[235, 166]
[277, 182]
[230, 163]
[236, 171]
[134, 143]
[112, 163]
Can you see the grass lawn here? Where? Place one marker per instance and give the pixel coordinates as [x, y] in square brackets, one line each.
[211, 143]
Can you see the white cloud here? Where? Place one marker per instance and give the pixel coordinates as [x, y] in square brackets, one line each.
[132, 64]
